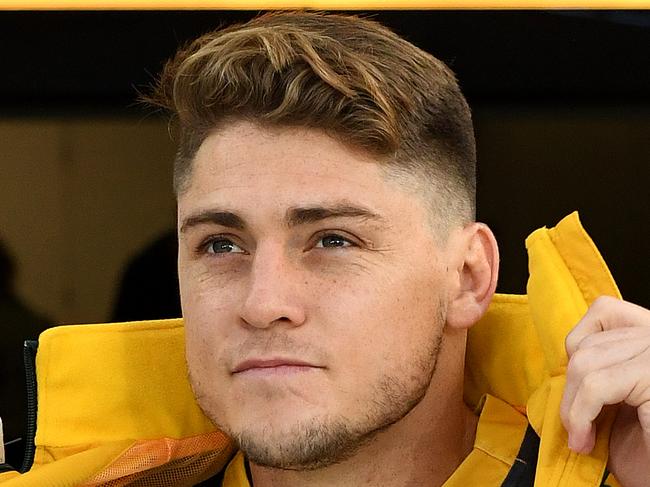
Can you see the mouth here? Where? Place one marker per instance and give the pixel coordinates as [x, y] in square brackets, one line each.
[273, 366]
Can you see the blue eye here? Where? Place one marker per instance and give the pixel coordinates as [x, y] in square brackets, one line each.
[329, 241]
[223, 246]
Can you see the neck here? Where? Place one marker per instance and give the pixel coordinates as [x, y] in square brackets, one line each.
[423, 448]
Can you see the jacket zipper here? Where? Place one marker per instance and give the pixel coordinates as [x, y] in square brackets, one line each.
[29, 356]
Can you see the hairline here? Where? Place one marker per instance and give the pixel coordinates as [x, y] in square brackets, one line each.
[427, 184]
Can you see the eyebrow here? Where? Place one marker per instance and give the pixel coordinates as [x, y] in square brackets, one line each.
[294, 216]
[223, 218]
[312, 214]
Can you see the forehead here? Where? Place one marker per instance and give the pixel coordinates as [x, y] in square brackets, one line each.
[245, 147]
[246, 165]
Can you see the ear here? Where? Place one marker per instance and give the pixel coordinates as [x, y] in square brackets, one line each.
[475, 255]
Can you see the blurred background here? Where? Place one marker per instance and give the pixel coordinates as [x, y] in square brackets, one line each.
[561, 102]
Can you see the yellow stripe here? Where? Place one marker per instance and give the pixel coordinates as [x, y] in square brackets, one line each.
[316, 4]
[235, 475]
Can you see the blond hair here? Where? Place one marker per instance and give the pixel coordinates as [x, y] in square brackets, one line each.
[348, 76]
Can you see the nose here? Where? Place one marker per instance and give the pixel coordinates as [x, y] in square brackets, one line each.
[272, 295]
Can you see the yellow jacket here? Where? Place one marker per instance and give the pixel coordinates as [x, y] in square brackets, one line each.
[115, 406]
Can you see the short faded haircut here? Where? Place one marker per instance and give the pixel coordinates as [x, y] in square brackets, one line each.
[348, 76]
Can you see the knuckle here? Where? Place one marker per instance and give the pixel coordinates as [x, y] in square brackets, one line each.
[603, 300]
[589, 342]
[570, 342]
[580, 364]
[592, 385]
[603, 303]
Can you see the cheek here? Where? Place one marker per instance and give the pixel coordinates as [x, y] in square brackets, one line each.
[206, 295]
[386, 324]
[209, 315]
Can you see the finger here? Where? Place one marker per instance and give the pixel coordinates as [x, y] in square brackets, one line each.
[586, 361]
[635, 333]
[625, 381]
[643, 415]
[606, 313]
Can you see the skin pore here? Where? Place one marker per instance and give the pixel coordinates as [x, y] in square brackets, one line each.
[325, 322]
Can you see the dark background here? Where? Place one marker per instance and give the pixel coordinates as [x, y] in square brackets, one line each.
[561, 102]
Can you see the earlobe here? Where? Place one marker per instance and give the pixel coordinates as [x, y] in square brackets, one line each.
[475, 277]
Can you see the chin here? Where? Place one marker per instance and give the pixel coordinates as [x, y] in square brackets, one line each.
[292, 443]
[273, 418]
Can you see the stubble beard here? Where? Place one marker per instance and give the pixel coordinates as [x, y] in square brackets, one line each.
[324, 441]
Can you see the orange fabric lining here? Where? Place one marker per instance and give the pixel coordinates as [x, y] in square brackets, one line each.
[167, 461]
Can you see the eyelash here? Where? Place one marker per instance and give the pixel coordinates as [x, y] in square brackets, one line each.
[204, 246]
[338, 236]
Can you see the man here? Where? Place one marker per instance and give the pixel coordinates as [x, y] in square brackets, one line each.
[330, 268]
[325, 182]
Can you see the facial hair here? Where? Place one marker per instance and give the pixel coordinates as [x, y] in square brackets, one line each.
[323, 441]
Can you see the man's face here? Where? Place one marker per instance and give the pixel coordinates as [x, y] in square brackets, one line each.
[313, 292]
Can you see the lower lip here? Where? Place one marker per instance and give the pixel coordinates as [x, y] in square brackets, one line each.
[277, 371]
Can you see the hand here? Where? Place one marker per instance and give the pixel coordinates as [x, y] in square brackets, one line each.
[609, 363]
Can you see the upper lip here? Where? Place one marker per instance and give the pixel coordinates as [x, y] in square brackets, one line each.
[261, 363]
